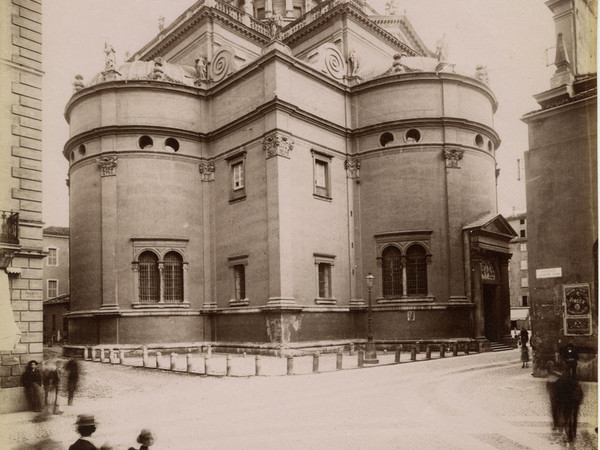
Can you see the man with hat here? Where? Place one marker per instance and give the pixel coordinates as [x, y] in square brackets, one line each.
[146, 438]
[86, 425]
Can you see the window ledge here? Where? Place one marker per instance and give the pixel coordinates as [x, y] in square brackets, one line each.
[392, 300]
[244, 302]
[325, 198]
[325, 301]
[138, 305]
[237, 199]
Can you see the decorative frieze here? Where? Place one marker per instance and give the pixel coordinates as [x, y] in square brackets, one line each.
[352, 168]
[207, 169]
[277, 145]
[107, 165]
[452, 157]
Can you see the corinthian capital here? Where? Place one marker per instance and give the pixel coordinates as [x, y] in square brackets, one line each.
[452, 157]
[107, 165]
[277, 145]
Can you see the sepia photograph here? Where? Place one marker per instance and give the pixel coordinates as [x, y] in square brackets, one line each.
[298, 224]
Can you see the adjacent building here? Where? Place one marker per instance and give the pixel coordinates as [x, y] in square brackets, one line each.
[56, 283]
[519, 274]
[562, 196]
[21, 248]
[240, 176]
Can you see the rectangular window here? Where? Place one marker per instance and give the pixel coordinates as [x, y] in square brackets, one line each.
[52, 257]
[522, 221]
[237, 175]
[324, 280]
[237, 169]
[523, 264]
[523, 233]
[239, 271]
[321, 175]
[525, 282]
[524, 247]
[524, 300]
[52, 288]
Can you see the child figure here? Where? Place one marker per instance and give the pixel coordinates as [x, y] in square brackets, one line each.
[524, 355]
[146, 438]
[86, 425]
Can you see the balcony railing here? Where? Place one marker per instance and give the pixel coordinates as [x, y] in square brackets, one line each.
[9, 230]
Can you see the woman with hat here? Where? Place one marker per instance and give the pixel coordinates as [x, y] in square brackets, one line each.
[86, 425]
[146, 438]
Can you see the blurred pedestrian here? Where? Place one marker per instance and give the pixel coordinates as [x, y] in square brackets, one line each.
[146, 438]
[51, 376]
[86, 425]
[566, 396]
[32, 382]
[72, 379]
[524, 337]
[570, 357]
[524, 355]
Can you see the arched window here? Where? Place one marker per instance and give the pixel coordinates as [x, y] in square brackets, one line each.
[173, 277]
[392, 272]
[149, 278]
[416, 270]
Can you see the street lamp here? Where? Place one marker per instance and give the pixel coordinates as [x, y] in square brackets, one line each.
[371, 353]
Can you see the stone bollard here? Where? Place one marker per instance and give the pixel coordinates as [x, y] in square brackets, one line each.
[455, 349]
[207, 364]
[87, 353]
[442, 351]
[413, 352]
[258, 366]
[209, 351]
[479, 346]
[385, 351]
[189, 362]
[244, 355]
[228, 365]
[158, 358]
[351, 351]
[397, 355]
[290, 365]
[428, 351]
[339, 360]
[315, 363]
[121, 356]
[418, 347]
[145, 356]
[173, 361]
[114, 356]
[102, 355]
[466, 348]
[361, 358]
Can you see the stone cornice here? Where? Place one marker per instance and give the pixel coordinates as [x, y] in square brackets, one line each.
[183, 24]
[532, 116]
[342, 8]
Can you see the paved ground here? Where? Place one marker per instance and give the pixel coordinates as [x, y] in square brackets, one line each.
[480, 401]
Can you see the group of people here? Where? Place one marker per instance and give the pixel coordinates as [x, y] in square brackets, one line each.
[86, 426]
[49, 379]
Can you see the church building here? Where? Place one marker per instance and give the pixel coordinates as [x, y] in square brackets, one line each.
[239, 177]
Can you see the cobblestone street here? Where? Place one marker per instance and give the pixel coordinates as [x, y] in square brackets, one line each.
[479, 401]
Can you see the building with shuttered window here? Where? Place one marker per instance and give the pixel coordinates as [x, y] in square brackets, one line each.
[238, 178]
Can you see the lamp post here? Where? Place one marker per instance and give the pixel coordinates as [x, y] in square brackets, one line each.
[371, 353]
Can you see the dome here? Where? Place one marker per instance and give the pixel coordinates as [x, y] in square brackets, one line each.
[149, 70]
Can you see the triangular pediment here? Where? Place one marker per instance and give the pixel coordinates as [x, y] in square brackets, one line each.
[492, 223]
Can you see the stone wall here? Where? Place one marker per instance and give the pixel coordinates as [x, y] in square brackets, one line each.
[21, 154]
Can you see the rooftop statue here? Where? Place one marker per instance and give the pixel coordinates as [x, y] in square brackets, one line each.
[78, 83]
[441, 49]
[354, 63]
[390, 7]
[481, 74]
[201, 68]
[161, 23]
[109, 62]
[275, 26]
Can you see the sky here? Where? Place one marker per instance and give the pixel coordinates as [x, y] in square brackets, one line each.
[510, 37]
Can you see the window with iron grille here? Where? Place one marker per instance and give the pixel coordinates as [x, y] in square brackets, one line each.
[416, 270]
[324, 280]
[149, 277]
[52, 259]
[321, 174]
[52, 288]
[239, 273]
[173, 277]
[392, 272]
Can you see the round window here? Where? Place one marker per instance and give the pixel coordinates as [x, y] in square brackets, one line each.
[386, 138]
[172, 144]
[413, 135]
[82, 150]
[145, 142]
[479, 141]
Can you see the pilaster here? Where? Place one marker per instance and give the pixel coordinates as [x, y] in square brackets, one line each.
[108, 182]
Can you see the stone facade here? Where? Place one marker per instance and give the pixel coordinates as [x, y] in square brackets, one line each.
[21, 249]
[56, 283]
[287, 160]
[519, 274]
[562, 197]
